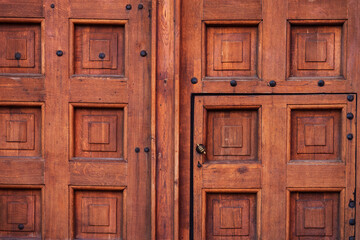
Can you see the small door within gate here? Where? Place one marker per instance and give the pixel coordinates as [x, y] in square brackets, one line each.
[273, 166]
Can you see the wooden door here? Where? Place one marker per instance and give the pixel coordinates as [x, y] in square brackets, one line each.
[268, 91]
[274, 166]
[75, 119]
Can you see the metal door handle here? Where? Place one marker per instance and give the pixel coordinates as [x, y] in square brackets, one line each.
[201, 149]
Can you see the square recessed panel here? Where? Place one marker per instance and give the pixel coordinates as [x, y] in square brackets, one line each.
[20, 51]
[21, 207]
[232, 135]
[99, 50]
[314, 215]
[99, 133]
[316, 51]
[99, 212]
[21, 131]
[231, 51]
[230, 215]
[315, 134]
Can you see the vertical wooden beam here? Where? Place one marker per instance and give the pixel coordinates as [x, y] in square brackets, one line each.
[153, 117]
[354, 7]
[177, 14]
[165, 119]
[56, 117]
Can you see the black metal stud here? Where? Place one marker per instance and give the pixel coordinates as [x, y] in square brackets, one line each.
[143, 53]
[137, 149]
[59, 53]
[350, 115]
[352, 221]
[17, 56]
[350, 136]
[351, 204]
[321, 83]
[199, 165]
[140, 6]
[272, 83]
[21, 226]
[52, 5]
[352, 238]
[194, 80]
[128, 7]
[350, 98]
[146, 149]
[101, 55]
[233, 83]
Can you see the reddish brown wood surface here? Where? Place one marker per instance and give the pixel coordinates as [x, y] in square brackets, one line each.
[302, 151]
[75, 107]
[279, 164]
[165, 121]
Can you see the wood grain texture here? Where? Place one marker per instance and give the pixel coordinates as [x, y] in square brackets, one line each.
[56, 120]
[25, 8]
[23, 215]
[277, 17]
[90, 41]
[85, 9]
[231, 215]
[98, 173]
[39, 49]
[165, 134]
[20, 171]
[320, 9]
[99, 214]
[24, 40]
[233, 9]
[316, 51]
[314, 214]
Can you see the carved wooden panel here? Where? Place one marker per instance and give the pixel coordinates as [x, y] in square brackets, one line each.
[316, 134]
[314, 215]
[21, 131]
[231, 216]
[316, 51]
[98, 215]
[99, 133]
[99, 49]
[20, 214]
[20, 48]
[232, 134]
[231, 51]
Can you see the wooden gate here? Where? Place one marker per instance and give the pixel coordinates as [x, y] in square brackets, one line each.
[75, 119]
[267, 119]
[185, 119]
